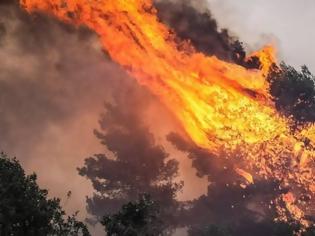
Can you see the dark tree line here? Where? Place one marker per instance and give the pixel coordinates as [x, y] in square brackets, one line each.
[25, 208]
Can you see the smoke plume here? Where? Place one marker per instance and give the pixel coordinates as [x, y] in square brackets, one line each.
[53, 81]
[196, 24]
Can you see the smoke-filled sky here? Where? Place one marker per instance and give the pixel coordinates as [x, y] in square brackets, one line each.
[288, 23]
[53, 83]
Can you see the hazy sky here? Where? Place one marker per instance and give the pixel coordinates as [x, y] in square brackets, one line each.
[289, 23]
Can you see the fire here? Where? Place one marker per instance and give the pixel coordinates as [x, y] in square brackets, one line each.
[206, 94]
[219, 104]
[245, 175]
[267, 57]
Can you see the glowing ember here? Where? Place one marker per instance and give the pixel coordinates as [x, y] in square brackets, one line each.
[245, 175]
[219, 104]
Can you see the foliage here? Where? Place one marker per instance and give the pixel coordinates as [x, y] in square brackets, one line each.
[293, 92]
[25, 208]
[137, 166]
[239, 56]
[140, 218]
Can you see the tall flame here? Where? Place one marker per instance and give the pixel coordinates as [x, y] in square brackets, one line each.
[219, 104]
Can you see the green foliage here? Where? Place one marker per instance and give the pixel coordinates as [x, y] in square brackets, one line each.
[140, 218]
[25, 208]
[293, 92]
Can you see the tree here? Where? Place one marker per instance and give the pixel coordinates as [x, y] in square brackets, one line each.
[140, 218]
[202, 31]
[25, 208]
[136, 165]
[293, 92]
[239, 56]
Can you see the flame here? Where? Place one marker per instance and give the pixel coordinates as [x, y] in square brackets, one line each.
[267, 56]
[220, 105]
[245, 175]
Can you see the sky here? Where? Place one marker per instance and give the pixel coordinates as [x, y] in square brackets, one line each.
[289, 24]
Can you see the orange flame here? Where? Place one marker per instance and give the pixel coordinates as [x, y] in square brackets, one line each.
[219, 104]
[245, 175]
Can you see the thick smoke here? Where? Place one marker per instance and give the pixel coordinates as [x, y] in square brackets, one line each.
[53, 81]
[195, 24]
[38, 86]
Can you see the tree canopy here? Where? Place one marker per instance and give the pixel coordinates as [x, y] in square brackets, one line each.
[25, 208]
[139, 218]
[293, 92]
[135, 165]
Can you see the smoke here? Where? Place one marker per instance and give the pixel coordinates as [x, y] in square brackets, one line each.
[195, 23]
[198, 26]
[38, 86]
[271, 21]
[53, 84]
[53, 81]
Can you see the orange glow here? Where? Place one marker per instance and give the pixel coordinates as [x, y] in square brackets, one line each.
[266, 56]
[245, 175]
[219, 104]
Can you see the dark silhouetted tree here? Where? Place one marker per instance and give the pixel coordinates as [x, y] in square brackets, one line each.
[136, 165]
[200, 28]
[228, 209]
[293, 92]
[25, 209]
[202, 31]
[140, 218]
